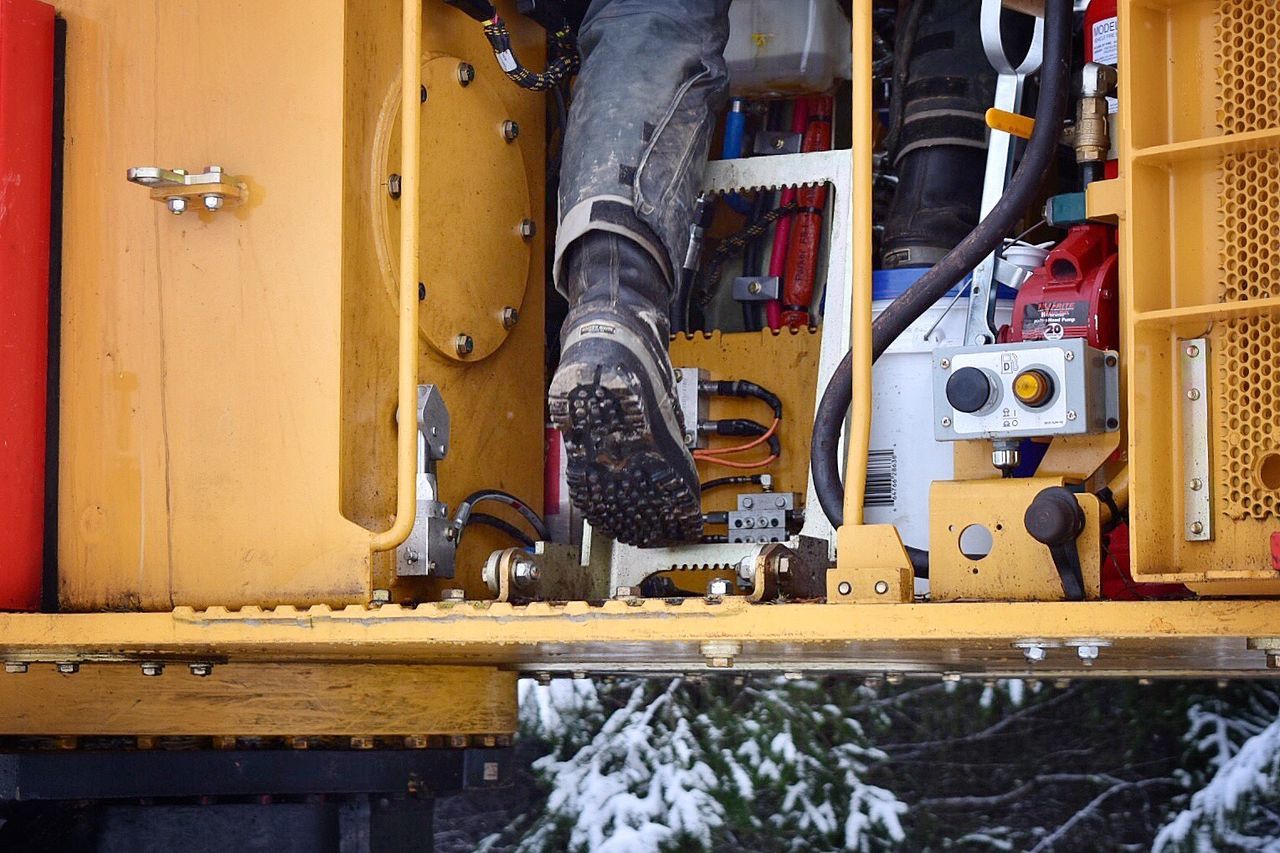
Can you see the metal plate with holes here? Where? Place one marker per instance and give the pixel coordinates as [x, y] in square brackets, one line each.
[469, 280]
[1085, 397]
[1196, 480]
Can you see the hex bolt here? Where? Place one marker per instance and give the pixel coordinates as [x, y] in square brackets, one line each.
[1087, 654]
[718, 588]
[453, 594]
[68, 667]
[525, 572]
[410, 556]
[882, 587]
[177, 205]
[951, 677]
[845, 588]
[212, 202]
[627, 592]
[1062, 683]
[780, 502]
[16, 667]
[510, 316]
[528, 229]
[894, 678]
[543, 678]
[510, 130]
[152, 668]
[464, 344]
[394, 185]
[381, 596]
[466, 73]
[201, 670]
[873, 682]
[1034, 653]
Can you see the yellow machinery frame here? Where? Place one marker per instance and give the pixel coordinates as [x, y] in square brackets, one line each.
[315, 669]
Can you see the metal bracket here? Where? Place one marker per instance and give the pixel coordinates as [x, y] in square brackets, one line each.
[430, 548]
[176, 188]
[1196, 472]
[695, 408]
[811, 169]
[552, 572]
[752, 288]
[1010, 82]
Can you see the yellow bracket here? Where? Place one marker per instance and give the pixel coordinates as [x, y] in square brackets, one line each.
[875, 568]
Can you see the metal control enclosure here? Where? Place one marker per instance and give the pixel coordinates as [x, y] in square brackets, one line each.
[1085, 398]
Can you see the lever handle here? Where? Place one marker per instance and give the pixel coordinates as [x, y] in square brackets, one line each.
[1055, 519]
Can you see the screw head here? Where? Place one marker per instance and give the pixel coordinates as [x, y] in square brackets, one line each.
[1193, 394]
[945, 363]
[1071, 414]
[453, 594]
[68, 667]
[16, 666]
[1087, 654]
[1035, 653]
[464, 344]
[747, 503]
[779, 143]
[845, 588]
[882, 587]
[718, 588]
[510, 316]
[528, 229]
[946, 422]
[1192, 351]
[1196, 484]
[201, 670]
[466, 73]
[381, 596]
[1197, 527]
[1069, 356]
[780, 502]
[754, 288]
[510, 130]
[152, 668]
[394, 185]
[411, 556]
[177, 205]
[212, 202]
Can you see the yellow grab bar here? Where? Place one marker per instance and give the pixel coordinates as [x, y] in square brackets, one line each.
[860, 322]
[407, 393]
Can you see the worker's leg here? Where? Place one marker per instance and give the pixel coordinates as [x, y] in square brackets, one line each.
[643, 111]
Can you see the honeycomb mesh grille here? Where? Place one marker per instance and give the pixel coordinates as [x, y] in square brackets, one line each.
[1248, 42]
[1247, 402]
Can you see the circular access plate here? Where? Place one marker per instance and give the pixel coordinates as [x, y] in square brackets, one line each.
[473, 197]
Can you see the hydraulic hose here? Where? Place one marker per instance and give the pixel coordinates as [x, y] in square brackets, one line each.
[1021, 193]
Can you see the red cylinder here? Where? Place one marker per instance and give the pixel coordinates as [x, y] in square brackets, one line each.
[802, 253]
[26, 169]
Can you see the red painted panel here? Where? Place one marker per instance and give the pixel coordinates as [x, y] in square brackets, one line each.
[26, 164]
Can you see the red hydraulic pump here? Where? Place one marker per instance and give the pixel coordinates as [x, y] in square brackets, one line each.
[26, 173]
[1074, 295]
[802, 254]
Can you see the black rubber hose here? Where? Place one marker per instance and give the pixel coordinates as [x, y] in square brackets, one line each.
[497, 495]
[1021, 193]
[498, 524]
[919, 562]
[738, 480]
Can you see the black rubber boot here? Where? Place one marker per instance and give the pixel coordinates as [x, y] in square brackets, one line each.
[613, 398]
[643, 110]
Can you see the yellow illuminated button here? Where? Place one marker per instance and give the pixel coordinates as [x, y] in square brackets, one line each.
[1033, 388]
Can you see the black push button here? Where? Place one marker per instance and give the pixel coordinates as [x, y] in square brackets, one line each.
[968, 389]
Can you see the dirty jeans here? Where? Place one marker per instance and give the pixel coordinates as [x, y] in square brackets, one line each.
[652, 82]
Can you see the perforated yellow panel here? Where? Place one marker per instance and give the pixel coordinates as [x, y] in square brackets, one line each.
[1249, 201]
[1248, 36]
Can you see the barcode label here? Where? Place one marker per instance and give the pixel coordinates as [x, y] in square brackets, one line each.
[882, 478]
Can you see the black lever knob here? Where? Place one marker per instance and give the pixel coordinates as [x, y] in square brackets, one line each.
[1055, 518]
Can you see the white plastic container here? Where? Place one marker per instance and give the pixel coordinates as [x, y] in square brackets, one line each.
[786, 47]
[905, 459]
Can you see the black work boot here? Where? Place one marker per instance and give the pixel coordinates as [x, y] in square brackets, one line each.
[613, 397]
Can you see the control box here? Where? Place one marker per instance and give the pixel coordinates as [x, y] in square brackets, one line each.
[1025, 390]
